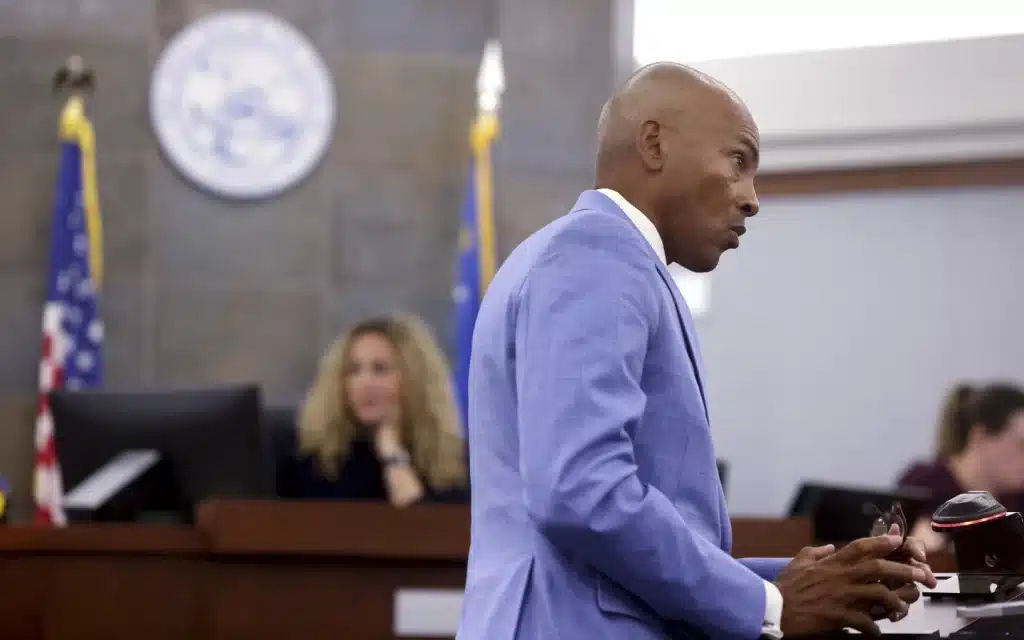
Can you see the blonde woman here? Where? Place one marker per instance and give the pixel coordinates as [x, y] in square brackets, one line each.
[379, 423]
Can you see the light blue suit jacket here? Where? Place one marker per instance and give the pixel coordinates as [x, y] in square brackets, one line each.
[597, 507]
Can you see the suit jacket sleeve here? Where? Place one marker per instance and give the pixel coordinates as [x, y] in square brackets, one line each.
[585, 316]
[767, 568]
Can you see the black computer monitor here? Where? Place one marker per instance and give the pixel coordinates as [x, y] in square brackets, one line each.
[843, 514]
[280, 421]
[210, 443]
[723, 474]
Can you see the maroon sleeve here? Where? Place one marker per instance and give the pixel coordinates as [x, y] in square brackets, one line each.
[933, 477]
[918, 475]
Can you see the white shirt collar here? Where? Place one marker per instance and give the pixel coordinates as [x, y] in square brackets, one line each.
[642, 222]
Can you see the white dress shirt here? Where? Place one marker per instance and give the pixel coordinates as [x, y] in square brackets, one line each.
[772, 626]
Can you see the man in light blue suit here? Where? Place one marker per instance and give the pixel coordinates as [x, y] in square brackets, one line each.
[597, 508]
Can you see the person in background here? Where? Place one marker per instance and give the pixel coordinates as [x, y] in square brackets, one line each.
[379, 422]
[980, 448]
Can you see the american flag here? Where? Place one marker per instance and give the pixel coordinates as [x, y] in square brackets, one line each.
[72, 327]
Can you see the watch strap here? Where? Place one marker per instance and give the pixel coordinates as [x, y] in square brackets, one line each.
[399, 458]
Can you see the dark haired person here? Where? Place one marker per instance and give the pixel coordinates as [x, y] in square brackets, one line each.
[980, 448]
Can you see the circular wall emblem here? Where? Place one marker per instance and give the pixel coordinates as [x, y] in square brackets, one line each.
[242, 104]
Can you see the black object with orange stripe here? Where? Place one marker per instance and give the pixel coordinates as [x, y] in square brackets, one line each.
[989, 543]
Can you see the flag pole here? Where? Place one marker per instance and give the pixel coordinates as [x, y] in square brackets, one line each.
[490, 85]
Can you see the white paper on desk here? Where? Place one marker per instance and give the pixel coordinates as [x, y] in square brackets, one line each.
[110, 479]
[427, 613]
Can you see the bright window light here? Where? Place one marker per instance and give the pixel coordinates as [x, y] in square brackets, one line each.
[695, 289]
[685, 31]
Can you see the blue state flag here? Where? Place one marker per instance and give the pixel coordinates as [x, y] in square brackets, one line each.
[476, 253]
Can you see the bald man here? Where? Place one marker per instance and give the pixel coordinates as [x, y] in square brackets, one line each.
[597, 508]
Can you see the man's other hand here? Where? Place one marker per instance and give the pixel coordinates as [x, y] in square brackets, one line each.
[912, 553]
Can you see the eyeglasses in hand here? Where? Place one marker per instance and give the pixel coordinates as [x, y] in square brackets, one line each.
[886, 520]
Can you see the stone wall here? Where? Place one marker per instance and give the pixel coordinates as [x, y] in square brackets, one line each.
[201, 290]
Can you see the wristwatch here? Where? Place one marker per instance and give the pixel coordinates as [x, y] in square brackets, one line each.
[399, 458]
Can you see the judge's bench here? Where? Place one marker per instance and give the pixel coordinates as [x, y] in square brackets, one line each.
[262, 569]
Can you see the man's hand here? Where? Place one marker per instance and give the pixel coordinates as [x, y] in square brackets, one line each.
[807, 556]
[825, 590]
[911, 553]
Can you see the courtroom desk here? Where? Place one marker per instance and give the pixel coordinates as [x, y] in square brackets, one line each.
[434, 531]
[253, 570]
[928, 616]
[313, 568]
[770, 537]
[101, 581]
[258, 570]
[317, 570]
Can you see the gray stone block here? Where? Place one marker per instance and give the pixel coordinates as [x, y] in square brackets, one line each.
[557, 28]
[127, 333]
[126, 217]
[393, 225]
[405, 111]
[121, 20]
[347, 306]
[527, 202]
[119, 110]
[438, 27]
[17, 455]
[198, 236]
[27, 210]
[21, 316]
[312, 17]
[550, 113]
[211, 335]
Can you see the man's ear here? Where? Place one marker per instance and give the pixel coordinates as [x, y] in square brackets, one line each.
[649, 145]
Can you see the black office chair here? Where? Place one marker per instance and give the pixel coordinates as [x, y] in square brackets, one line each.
[841, 514]
[280, 428]
[723, 474]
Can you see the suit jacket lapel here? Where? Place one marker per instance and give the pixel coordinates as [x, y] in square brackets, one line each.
[689, 332]
[596, 200]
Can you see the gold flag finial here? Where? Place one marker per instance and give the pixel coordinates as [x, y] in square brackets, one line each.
[75, 76]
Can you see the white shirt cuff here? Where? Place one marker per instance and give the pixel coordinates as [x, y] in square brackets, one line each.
[772, 627]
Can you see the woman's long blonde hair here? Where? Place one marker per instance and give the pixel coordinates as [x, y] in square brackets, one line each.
[430, 422]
